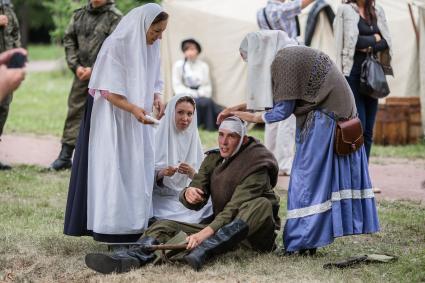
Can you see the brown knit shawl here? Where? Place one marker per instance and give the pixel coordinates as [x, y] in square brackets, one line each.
[227, 176]
[310, 77]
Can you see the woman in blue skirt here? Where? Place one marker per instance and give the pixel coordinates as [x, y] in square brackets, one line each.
[329, 195]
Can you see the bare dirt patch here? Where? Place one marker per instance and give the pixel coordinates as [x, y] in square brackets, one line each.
[399, 179]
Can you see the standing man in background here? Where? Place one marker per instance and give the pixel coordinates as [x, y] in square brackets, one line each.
[10, 37]
[282, 15]
[89, 27]
[280, 137]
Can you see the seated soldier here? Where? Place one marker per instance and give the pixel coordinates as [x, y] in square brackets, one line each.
[239, 177]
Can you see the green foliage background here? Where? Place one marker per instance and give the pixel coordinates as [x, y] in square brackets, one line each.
[56, 14]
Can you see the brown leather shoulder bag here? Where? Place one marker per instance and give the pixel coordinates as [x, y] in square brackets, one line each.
[348, 136]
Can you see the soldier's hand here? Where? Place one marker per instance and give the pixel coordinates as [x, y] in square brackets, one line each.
[195, 240]
[194, 195]
[80, 72]
[87, 74]
[140, 115]
[4, 21]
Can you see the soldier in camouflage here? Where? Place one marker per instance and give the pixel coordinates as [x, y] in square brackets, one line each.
[89, 27]
[10, 37]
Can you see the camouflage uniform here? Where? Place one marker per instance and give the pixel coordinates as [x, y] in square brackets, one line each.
[88, 28]
[10, 37]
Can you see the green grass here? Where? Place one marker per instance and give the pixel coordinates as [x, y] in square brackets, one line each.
[40, 105]
[45, 52]
[33, 248]
[405, 151]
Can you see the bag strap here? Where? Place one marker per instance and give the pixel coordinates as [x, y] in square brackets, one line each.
[265, 17]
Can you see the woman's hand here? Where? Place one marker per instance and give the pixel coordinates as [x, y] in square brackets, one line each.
[140, 115]
[249, 117]
[194, 195]
[378, 37]
[168, 172]
[228, 112]
[159, 105]
[186, 169]
[223, 115]
[196, 239]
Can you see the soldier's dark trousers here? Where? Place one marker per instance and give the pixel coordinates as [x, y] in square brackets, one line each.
[76, 104]
[257, 213]
[4, 111]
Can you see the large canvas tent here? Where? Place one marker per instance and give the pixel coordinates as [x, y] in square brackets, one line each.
[220, 26]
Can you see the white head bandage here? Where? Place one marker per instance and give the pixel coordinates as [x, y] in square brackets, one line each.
[234, 125]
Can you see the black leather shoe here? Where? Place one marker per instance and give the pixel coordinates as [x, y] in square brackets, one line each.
[64, 159]
[5, 166]
[307, 252]
[226, 238]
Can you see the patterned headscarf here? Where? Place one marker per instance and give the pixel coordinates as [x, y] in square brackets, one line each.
[298, 73]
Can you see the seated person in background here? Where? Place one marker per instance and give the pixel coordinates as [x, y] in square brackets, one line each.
[239, 177]
[178, 156]
[191, 76]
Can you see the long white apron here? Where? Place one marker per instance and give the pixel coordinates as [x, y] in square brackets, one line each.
[120, 171]
[280, 140]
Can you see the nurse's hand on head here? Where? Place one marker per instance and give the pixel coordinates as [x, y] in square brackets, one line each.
[159, 105]
[223, 115]
[140, 115]
[228, 112]
[249, 117]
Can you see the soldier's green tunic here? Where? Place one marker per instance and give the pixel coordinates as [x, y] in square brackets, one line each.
[88, 28]
[253, 199]
[10, 37]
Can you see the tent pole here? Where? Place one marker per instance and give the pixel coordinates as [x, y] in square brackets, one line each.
[412, 18]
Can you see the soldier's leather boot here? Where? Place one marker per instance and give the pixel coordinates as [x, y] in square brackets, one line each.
[64, 159]
[123, 260]
[226, 238]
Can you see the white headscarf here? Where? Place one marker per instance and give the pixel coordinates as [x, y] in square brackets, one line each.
[125, 62]
[174, 146]
[259, 49]
[235, 125]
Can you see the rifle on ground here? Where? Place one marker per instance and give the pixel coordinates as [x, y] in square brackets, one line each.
[163, 247]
